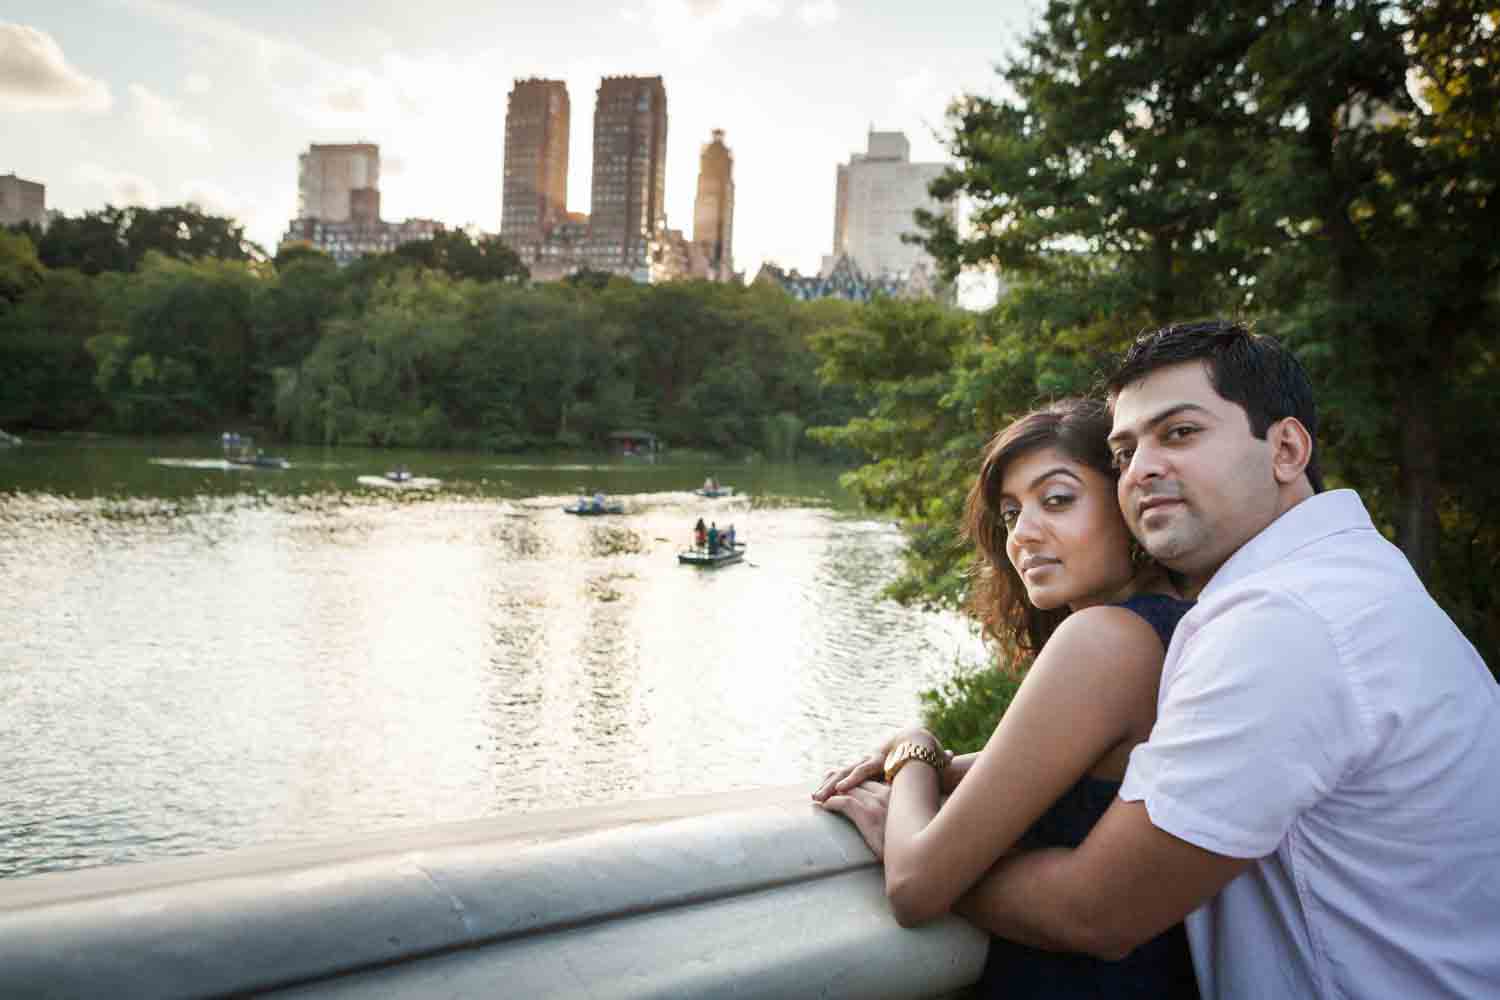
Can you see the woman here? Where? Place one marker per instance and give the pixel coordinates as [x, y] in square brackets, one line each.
[1059, 575]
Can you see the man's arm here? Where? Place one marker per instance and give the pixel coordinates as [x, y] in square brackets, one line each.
[1127, 883]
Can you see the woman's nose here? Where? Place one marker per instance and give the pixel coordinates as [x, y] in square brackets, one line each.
[1025, 527]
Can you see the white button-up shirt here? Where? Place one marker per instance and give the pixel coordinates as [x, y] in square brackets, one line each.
[1320, 712]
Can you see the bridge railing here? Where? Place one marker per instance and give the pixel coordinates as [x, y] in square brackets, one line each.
[754, 894]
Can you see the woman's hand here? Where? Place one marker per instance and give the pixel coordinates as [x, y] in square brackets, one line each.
[871, 768]
[865, 805]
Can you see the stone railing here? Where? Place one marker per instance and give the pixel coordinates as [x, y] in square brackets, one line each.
[754, 894]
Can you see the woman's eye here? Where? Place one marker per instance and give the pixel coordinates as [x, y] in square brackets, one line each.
[1121, 457]
[1008, 516]
[1058, 500]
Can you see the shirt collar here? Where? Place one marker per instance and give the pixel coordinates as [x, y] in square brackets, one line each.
[1315, 518]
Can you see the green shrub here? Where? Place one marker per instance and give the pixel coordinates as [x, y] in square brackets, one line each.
[965, 709]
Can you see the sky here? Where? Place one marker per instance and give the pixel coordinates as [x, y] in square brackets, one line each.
[159, 102]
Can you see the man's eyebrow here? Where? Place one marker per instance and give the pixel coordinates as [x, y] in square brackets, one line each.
[1160, 418]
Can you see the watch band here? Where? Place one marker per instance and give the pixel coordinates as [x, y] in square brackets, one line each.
[910, 751]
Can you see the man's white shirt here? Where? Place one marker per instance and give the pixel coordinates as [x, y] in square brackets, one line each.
[1320, 712]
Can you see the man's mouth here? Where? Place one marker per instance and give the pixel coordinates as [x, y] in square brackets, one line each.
[1149, 504]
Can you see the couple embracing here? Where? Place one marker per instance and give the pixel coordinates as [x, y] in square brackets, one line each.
[1252, 757]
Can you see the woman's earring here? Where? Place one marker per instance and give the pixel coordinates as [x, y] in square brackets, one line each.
[1139, 557]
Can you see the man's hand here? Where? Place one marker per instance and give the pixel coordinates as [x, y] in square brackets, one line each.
[865, 805]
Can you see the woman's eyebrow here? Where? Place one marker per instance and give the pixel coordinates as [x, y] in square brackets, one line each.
[1061, 470]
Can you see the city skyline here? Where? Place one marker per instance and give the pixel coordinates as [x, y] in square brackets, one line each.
[214, 107]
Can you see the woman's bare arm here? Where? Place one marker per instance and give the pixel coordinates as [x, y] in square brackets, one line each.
[1092, 686]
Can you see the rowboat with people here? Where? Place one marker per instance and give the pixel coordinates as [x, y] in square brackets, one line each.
[240, 450]
[713, 488]
[595, 506]
[712, 560]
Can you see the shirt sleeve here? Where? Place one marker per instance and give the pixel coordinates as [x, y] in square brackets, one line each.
[1255, 724]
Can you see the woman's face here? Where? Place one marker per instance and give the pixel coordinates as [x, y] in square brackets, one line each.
[1064, 533]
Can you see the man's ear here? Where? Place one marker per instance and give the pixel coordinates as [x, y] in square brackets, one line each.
[1291, 449]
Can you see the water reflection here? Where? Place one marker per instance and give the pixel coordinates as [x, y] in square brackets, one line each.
[195, 673]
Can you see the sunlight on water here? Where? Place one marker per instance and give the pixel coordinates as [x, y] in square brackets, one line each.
[203, 672]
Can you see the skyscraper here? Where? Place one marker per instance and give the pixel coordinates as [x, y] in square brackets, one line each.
[713, 210]
[629, 173]
[877, 192]
[22, 201]
[338, 205]
[535, 187]
[328, 176]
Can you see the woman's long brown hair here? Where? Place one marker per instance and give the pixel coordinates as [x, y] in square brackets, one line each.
[1079, 428]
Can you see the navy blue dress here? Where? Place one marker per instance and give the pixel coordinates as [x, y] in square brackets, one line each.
[1160, 968]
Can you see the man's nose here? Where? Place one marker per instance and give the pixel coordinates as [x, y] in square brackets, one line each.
[1145, 464]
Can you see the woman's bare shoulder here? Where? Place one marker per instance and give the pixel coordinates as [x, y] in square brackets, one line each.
[1104, 641]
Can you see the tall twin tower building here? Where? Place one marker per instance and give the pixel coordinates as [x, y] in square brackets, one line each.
[625, 231]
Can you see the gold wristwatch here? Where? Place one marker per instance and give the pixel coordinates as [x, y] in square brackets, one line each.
[909, 751]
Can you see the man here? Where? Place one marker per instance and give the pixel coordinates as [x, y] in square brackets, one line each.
[1318, 796]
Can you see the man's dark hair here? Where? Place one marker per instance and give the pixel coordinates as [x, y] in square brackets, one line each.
[1251, 370]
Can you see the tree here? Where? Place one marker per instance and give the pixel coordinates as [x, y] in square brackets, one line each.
[20, 271]
[118, 239]
[46, 318]
[902, 359]
[1328, 168]
[453, 252]
[178, 351]
[1266, 158]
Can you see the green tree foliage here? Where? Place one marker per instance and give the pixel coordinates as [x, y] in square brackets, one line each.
[21, 272]
[118, 239]
[178, 349]
[391, 351]
[46, 320]
[963, 710]
[902, 359]
[456, 254]
[1328, 171]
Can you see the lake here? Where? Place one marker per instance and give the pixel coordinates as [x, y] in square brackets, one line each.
[196, 658]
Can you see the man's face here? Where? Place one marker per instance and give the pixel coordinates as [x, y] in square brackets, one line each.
[1195, 484]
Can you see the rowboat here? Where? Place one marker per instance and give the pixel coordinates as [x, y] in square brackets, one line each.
[590, 510]
[258, 461]
[240, 450]
[720, 491]
[723, 557]
[408, 482]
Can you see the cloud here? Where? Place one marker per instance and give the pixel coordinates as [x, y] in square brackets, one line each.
[35, 76]
[270, 53]
[213, 199]
[160, 118]
[197, 83]
[120, 187]
[689, 24]
[350, 99]
[818, 12]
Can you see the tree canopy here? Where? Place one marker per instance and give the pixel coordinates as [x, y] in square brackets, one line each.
[1327, 171]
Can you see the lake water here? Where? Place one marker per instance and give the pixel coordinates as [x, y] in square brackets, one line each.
[196, 658]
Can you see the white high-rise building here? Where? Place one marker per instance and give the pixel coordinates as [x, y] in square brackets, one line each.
[22, 201]
[328, 177]
[878, 190]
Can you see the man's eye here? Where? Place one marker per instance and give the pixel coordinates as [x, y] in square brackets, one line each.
[1180, 431]
[1121, 457]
